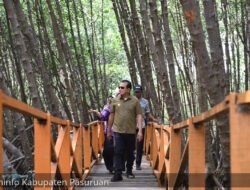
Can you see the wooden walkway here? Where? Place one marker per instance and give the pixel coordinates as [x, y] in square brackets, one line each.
[100, 179]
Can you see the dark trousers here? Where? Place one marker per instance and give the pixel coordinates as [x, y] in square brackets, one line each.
[124, 145]
[139, 148]
[108, 153]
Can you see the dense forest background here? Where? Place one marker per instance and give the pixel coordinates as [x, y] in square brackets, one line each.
[65, 57]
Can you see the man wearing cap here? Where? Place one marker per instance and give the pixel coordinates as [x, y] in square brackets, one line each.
[145, 115]
[125, 113]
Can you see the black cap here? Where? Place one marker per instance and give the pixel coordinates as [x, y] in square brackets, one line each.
[138, 88]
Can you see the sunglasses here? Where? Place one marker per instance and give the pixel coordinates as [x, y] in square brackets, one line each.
[121, 87]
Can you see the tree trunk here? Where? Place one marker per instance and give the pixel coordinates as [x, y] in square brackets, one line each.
[131, 64]
[228, 59]
[63, 51]
[22, 54]
[82, 70]
[161, 63]
[20, 125]
[33, 48]
[216, 51]
[146, 68]
[170, 59]
[207, 74]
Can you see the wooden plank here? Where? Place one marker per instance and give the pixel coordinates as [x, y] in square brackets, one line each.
[196, 158]
[21, 107]
[94, 139]
[58, 121]
[25, 109]
[100, 136]
[148, 140]
[212, 113]
[183, 164]
[86, 148]
[63, 149]
[162, 151]
[239, 143]
[42, 157]
[93, 123]
[181, 125]
[174, 156]
[1, 134]
[143, 178]
[243, 98]
[155, 148]
[77, 149]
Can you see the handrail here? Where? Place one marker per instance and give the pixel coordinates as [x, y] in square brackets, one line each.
[70, 155]
[168, 161]
[75, 152]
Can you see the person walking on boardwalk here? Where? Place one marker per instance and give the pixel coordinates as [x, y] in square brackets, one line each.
[145, 117]
[108, 150]
[125, 110]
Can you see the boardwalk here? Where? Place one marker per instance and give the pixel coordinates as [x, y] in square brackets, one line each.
[144, 179]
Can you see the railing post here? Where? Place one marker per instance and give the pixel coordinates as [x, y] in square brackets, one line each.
[86, 148]
[42, 157]
[94, 139]
[174, 156]
[239, 144]
[77, 147]
[148, 139]
[62, 147]
[100, 136]
[196, 154]
[1, 134]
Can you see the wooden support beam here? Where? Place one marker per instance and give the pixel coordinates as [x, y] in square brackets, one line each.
[62, 147]
[42, 157]
[77, 150]
[94, 139]
[100, 136]
[196, 156]
[86, 148]
[239, 143]
[174, 157]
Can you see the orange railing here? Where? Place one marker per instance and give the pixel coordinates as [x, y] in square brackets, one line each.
[168, 159]
[70, 156]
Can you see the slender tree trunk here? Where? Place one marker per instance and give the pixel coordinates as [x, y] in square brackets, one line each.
[104, 83]
[144, 61]
[148, 33]
[16, 64]
[215, 44]
[228, 59]
[22, 53]
[93, 62]
[206, 74]
[20, 124]
[52, 100]
[131, 64]
[63, 53]
[54, 71]
[82, 71]
[87, 78]
[170, 59]
[161, 62]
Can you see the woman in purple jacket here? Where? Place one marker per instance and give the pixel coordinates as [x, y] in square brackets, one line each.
[108, 150]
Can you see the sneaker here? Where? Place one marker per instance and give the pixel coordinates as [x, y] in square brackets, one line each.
[138, 167]
[116, 178]
[130, 175]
